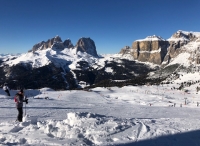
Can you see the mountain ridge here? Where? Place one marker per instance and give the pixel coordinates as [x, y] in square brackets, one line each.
[51, 64]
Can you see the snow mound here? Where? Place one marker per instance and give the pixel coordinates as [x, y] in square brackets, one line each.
[83, 125]
[85, 128]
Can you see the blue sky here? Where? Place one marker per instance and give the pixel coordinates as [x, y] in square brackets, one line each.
[112, 24]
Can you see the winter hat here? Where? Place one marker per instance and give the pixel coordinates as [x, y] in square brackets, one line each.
[21, 90]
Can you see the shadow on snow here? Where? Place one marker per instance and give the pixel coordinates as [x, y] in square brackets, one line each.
[191, 138]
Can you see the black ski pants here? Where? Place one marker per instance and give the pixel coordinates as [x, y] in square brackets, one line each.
[20, 114]
[8, 93]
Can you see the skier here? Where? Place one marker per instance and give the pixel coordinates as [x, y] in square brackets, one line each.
[6, 89]
[19, 99]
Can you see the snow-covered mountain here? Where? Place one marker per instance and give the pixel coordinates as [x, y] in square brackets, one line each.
[184, 36]
[159, 51]
[61, 65]
[49, 64]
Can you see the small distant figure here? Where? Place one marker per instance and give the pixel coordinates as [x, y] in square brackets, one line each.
[6, 89]
[174, 104]
[197, 103]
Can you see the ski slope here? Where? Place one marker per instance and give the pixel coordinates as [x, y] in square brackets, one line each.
[131, 115]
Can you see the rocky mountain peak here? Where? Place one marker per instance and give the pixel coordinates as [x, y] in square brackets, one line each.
[57, 39]
[183, 36]
[68, 44]
[86, 45]
[180, 34]
[55, 42]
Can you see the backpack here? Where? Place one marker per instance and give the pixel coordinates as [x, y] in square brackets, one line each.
[15, 98]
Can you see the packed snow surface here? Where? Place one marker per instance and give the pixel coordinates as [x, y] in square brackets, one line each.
[131, 115]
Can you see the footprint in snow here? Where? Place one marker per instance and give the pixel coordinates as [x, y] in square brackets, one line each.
[16, 129]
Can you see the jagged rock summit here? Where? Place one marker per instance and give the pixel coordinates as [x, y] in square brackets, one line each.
[183, 42]
[184, 36]
[50, 43]
[86, 45]
[83, 45]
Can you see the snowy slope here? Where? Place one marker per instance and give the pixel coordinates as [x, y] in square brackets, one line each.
[197, 34]
[62, 58]
[44, 57]
[192, 51]
[59, 58]
[131, 115]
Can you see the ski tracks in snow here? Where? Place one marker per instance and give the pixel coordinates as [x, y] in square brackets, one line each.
[142, 130]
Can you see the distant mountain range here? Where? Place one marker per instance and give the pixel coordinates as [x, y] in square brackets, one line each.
[9, 54]
[61, 65]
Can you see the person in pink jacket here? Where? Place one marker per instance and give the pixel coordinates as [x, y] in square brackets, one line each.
[19, 99]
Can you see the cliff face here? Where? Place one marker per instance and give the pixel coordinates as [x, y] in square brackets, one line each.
[86, 45]
[156, 50]
[152, 49]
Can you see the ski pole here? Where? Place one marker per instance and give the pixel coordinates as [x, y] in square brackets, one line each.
[25, 109]
[25, 105]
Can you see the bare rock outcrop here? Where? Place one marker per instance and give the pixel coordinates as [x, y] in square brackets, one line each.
[68, 44]
[151, 49]
[86, 45]
[156, 50]
[125, 50]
